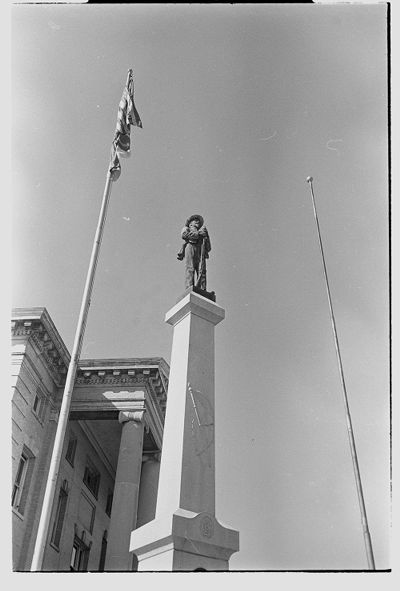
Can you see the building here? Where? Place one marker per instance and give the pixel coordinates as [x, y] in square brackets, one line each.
[109, 394]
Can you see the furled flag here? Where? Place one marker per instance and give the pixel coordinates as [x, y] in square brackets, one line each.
[127, 116]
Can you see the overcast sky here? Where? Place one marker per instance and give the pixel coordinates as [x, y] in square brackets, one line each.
[239, 105]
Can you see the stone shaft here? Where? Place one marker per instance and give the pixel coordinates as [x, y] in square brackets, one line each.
[187, 472]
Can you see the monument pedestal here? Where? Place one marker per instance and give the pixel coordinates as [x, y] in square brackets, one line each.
[184, 541]
[185, 535]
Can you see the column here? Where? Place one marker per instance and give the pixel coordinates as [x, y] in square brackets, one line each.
[126, 491]
[148, 489]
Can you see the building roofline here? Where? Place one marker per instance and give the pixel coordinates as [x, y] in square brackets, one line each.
[41, 314]
[124, 363]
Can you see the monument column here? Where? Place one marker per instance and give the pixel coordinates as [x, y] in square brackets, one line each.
[126, 489]
[185, 534]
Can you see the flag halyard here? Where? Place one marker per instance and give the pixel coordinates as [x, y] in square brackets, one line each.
[127, 116]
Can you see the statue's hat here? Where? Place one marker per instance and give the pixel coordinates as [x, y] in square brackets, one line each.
[195, 217]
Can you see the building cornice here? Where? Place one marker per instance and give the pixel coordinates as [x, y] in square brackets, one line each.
[36, 325]
[149, 372]
[125, 362]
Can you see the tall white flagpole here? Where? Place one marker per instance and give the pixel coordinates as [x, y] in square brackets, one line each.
[127, 115]
[37, 560]
[364, 521]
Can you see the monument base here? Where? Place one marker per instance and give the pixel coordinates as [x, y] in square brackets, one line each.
[185, 541]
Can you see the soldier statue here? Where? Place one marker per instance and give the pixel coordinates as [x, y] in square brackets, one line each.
[195, 251]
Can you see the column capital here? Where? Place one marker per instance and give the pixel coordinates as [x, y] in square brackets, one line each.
[134, 415]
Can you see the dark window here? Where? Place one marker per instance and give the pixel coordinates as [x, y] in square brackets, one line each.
[39, 404]
[103, 552]
[22, 481]
[71, 449]
[60, 514]
[79, 556]
[109, 502]
[91, 478]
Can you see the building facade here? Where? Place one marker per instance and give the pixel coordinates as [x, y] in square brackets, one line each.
[108, 477]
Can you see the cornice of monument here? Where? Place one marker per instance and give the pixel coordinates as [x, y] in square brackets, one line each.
[193, 303]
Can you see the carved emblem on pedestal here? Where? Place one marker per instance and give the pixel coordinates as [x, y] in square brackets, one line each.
[207, 527]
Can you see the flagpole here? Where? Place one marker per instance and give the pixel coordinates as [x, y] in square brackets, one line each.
[364, 521]
[37, 560]
[127, 116]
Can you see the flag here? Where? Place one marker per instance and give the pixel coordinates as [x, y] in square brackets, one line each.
[127, 116]
[115, 166]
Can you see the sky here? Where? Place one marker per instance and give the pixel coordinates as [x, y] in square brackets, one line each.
[239, 104]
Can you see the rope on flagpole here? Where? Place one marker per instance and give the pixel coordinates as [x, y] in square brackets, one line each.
[364, 521]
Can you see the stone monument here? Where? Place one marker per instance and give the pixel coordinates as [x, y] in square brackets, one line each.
[185, 534]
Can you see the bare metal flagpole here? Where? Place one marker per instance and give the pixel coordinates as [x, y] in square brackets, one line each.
[38, 553]
[364, 521]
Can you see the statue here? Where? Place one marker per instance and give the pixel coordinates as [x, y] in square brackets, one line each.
[195, 251]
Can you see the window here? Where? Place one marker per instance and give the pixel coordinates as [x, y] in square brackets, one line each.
[80, 555]
[103, 552]
[22, 480]
[86, 512]
[109, 502]
[71, 449]
[19, 480]
[60, 514]
[91, 477]
[39, 404]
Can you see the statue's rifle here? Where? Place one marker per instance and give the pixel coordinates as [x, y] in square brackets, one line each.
[202, 260]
